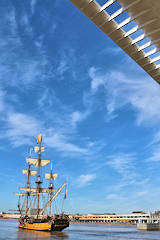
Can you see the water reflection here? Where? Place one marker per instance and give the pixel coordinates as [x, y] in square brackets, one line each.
[31, 234]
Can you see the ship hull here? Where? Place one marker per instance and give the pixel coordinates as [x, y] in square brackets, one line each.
[36, 226]
[45, 226]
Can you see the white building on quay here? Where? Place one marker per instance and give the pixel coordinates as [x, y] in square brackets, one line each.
[133, 218]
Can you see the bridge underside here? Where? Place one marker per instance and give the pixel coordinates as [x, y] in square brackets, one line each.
[133, 25]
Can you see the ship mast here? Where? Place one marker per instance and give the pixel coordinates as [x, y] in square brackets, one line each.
[28, 193]
[51, 176]
[29, 173]
[50, 187]
[38, 181]
[28, 185]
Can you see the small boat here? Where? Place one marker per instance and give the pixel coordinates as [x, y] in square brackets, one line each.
[40, 217]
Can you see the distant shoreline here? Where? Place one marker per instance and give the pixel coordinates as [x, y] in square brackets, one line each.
[8, 219]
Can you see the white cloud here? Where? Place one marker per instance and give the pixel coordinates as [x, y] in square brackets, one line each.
[84, 180]
[77, 117]
[113, 196]
[61, 143]
[92, 144]
[33, 4]
[20, 128]
[31, 72]
[2, 100]
[155, 153]
[141, 94]
[130, 174]
[47, 99]
[97, 80]
[123, 164]
[66, 62]
[26, 24]
[111, 50]
[63, 67]
[141, 193]
[17, 66]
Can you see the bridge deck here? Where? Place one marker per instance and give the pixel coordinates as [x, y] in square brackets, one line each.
[134, 26]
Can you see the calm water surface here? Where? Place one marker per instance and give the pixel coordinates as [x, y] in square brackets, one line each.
[9, 230]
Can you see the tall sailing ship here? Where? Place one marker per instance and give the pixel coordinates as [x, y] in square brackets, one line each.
[40, 217]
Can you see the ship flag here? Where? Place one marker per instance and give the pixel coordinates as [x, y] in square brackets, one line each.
[39, 139]
[65, 196]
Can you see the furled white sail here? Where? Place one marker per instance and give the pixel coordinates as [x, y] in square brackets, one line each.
[40, 190]
[35, 162]
[39, 149]
[49, 176]
[31, 173]
[25, 194]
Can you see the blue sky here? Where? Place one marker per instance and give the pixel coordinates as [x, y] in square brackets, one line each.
[98, 111]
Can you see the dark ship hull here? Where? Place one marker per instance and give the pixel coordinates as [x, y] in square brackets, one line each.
[46, 224]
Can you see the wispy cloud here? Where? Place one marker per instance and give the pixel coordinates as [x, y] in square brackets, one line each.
[63, 67]
[62, 143]
[18, 66]
[155, 153]
[2, 100]
[77, 117]
[141, 94]
[33, 4]
[66, 62]
[48, 99]
[85, 180]
[123, 163]
[97, 79]
[142, 193]
[21, 128]
[114, 196]
[126, 166]
[110, 50]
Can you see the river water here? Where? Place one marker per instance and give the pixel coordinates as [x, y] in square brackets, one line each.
[9, 230]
